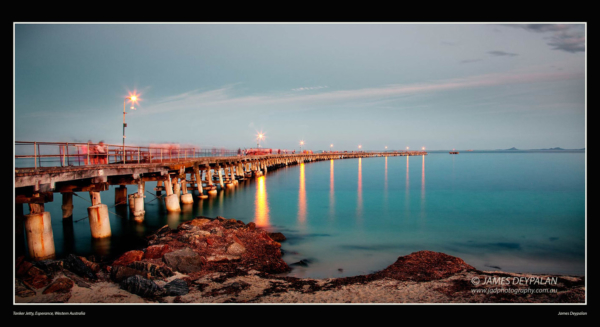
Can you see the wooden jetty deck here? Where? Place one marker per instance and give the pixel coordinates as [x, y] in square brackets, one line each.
[175, 173]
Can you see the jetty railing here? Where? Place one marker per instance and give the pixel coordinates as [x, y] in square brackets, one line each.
[68, 154]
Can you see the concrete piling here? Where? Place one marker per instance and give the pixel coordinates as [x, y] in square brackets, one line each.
[171, 200]
[38, 228]
[67, 205]
[121, 195]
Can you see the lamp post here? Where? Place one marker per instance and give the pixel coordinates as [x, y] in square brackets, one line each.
[331, 148]
[133, 99]
[301, 143]
[260, 137]
[386, 147]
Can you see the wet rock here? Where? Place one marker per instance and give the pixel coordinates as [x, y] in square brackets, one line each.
[36, 281]
[92, 265]
[60, 285]
[119, 273]
[141, 286]
[301, 263]
[23, 290]
[129, 257]
[184, 260]
[76, 265]
[176, 287]
[156, 251]
[163, 230]
[235, 249]
[22, 266]
[49, 266]
[277, 237]
[153, 270]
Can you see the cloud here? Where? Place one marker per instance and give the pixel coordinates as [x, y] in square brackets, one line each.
[226, 99]
[566, 37]
[310, 88]
[502, 53]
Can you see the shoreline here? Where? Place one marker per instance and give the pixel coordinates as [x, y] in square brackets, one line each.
[218, 260]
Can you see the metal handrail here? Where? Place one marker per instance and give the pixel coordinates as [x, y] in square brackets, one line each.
[61, 154]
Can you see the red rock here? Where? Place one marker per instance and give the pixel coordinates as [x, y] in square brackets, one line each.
[209, 241]
[156, 251]
[37, 281]
[22, 267]
[425, 266]
[60, 285]
[251, 226]
[129, 257]
[92, 265]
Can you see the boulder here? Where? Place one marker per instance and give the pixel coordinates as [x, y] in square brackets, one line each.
[184, 260]
[277, 237]
[153, 270]
[156, 251]
[49, 266]
[129, 257]
[424, 266]
[251, 226]
[60, 285]
[235, 249]
[23, 290]
[76, 265]
[176, 287]
[119, 273]
[141, 286]
[22, 266]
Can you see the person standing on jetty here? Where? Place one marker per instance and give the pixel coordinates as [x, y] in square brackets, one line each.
[101, 155]
[83, 152]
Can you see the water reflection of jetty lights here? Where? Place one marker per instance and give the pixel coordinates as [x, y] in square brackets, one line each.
[301, 197]
[423, 179]
[331, 188]
[359, 192]
[261, 218]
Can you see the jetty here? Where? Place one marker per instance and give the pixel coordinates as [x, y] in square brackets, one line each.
[67, 168]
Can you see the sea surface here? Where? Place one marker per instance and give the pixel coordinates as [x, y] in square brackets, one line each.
[516, 212]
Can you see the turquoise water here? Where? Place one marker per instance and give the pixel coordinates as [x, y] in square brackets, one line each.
[518, 212]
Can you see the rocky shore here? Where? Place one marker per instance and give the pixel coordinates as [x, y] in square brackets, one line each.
[223, 260]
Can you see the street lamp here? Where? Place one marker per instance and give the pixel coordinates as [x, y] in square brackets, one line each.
[386, 147]
[301, 144]
[260, 137]
[133, 98]
[330, 147]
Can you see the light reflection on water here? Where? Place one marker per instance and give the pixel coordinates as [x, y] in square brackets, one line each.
[261, 218]
[521, 212]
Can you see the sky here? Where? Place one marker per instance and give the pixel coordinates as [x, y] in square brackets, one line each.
[438, 86]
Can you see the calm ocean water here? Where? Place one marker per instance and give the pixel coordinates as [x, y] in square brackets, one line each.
[518, 212]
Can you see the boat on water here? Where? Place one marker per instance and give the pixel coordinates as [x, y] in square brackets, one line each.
[453, 152]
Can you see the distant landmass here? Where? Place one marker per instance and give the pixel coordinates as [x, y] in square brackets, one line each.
[513, 148]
